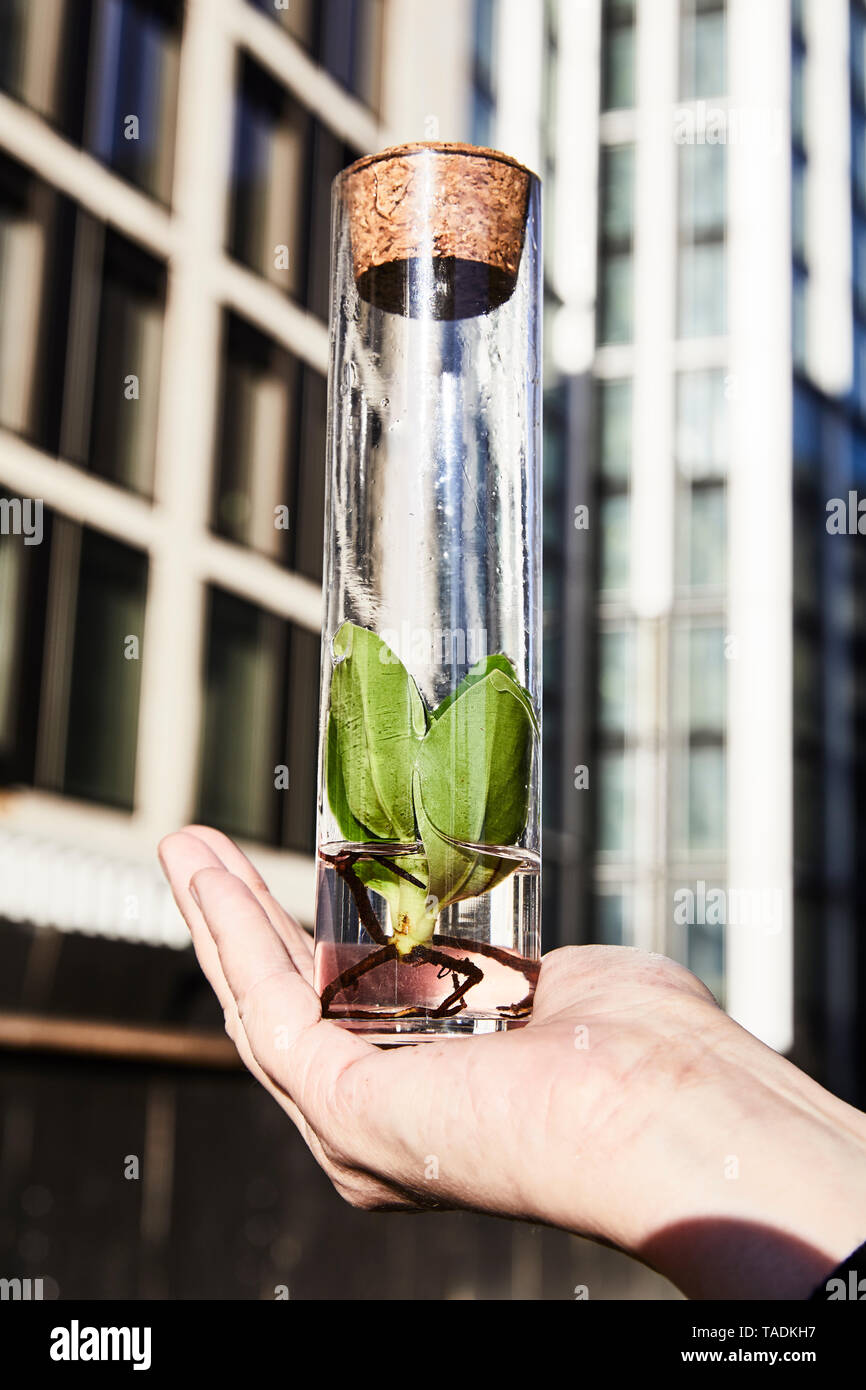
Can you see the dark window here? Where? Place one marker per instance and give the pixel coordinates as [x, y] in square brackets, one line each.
[104, 675]
[105, 72]
[37, 237]
[702, 49]
[80, 335]
[616, 257]
[261, 717]
[71, 631]
[271, 464]
[132, 96]
[284, 163]
[344, 36]
[618, 54]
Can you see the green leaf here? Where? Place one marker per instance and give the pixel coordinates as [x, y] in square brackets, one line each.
[471, 784]
[376, 723]
[498, 661]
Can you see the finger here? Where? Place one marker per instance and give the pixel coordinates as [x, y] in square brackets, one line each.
[228, 853]
[280, 1013]
[182, 856]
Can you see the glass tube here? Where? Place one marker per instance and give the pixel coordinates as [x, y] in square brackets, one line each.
[427, 916]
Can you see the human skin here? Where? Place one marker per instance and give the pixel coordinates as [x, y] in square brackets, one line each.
[630, 1109]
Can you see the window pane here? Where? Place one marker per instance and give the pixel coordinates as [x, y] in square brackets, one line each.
[44, 52]
[37, 236]
[618, 86]
[299, 800]
[243, 718]
[271, 148]
[23, 589]
[702, 424]
[614, 803]
[798, 104]
[257, 440]
[134, 72]
[705, 956]
[705, 549]
[350, 44]
[328, 156]
[616, 299]
[270, 485]
[612, 927]
[615, 677]
[615, 542]
[105, 676]
[702, 291]
[706, 793]
[261, 716]
[123, 439]
[310, 506]
[702, 171]
[702, 53]
[617, 192]
[615, 428]
[699, 679]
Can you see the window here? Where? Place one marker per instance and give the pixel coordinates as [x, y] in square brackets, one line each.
[699, 696]
[799, 324]
[69, 693]
[612, 925]
[132, 89]
[858, 159]
[104, 675]
[702, 291]
[284, 163]
[271, 450]
[105, 72]
[702, 538]
[615, 802]
[702, 424]
[615, 429]
[126, 365]
[615, 542]
[261, 718]
[81, 333]
[798, 97]
[858, 56]
[702, 49]
[616, 224]
[484, 69]
[618, 47]
[860, 266]
[699, 712]
[344, 36]
[699, 800]
[702, 287]
[43, 47]
[798, 209]
[702, 190]
[37, 234]
[615, 680]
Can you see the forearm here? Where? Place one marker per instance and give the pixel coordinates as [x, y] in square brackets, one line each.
[770, 1190]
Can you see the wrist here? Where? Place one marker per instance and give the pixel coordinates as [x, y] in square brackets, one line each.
[768, 1191]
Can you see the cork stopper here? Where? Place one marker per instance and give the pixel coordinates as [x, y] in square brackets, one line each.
[436, 229]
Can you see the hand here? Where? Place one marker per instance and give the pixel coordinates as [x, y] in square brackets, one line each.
[630, 1108]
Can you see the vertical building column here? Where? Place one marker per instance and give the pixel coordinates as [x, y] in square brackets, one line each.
[171, 677]
[652, 482]
[760, 775]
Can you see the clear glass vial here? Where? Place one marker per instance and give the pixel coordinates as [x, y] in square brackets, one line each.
[427, 914]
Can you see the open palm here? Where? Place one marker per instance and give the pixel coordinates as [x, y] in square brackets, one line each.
[609, 1114]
